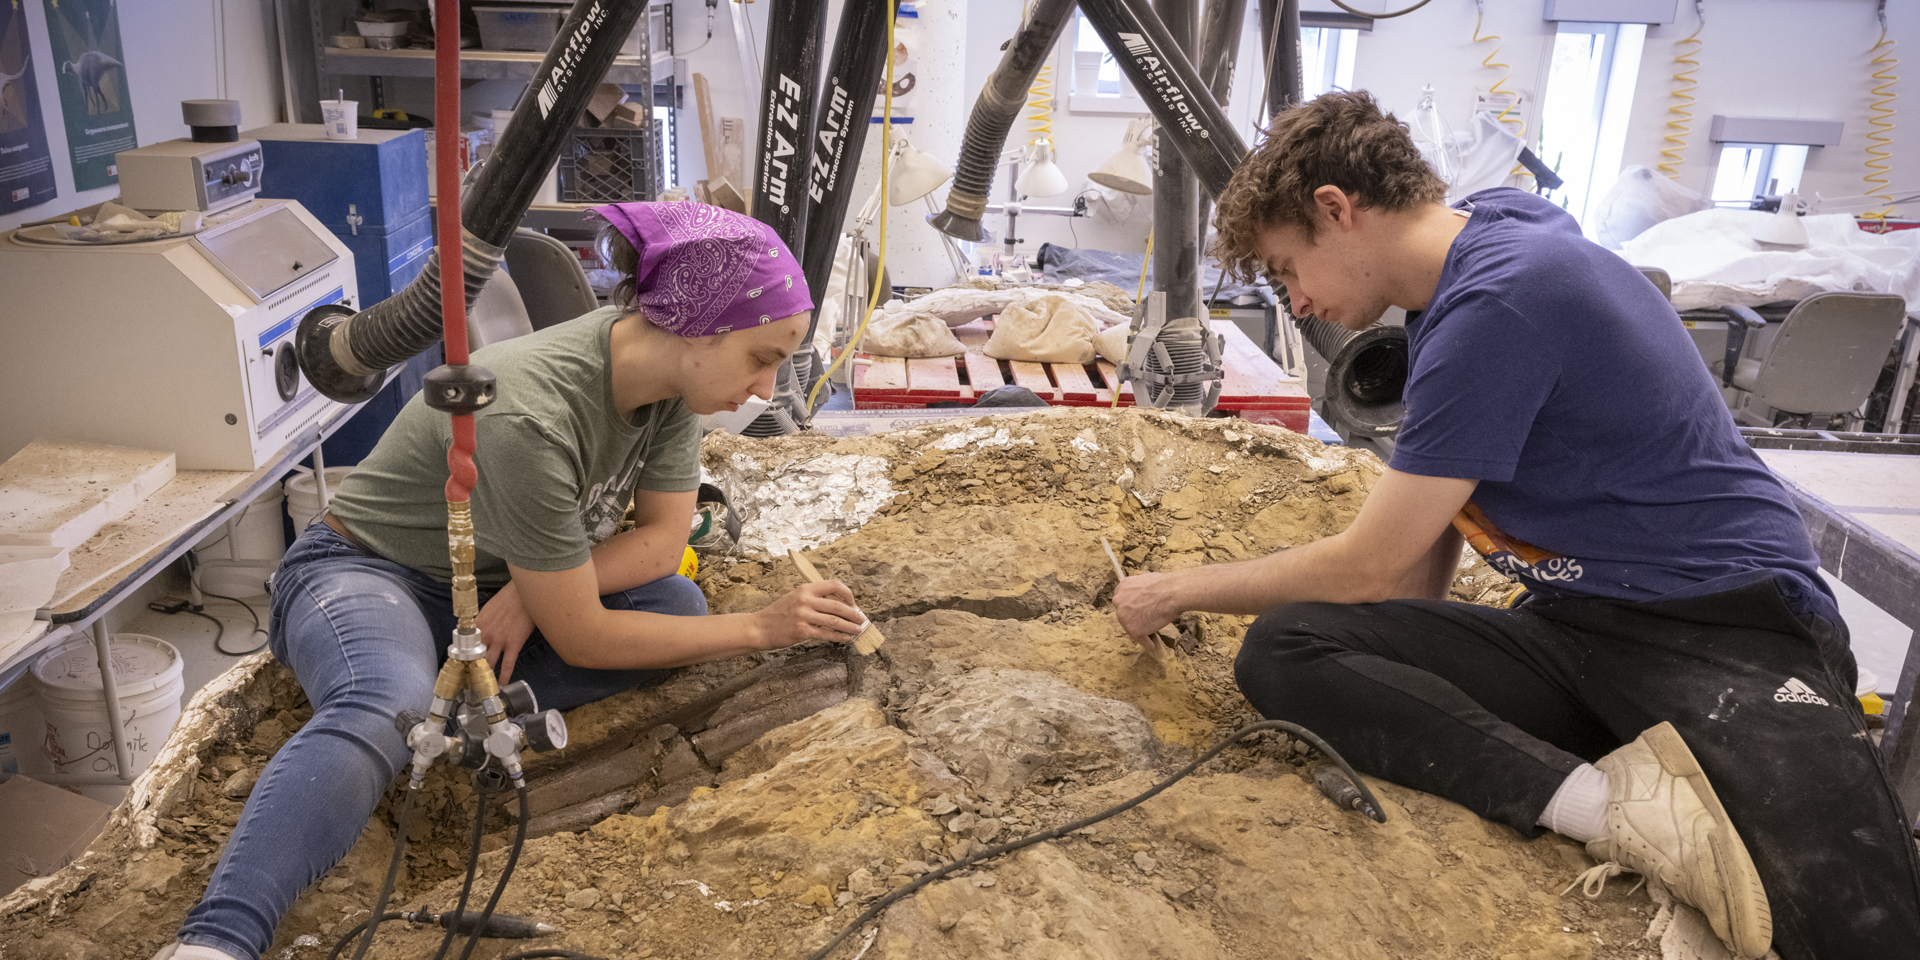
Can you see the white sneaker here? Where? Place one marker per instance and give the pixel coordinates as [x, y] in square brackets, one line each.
[1664, 821]
[180, 951]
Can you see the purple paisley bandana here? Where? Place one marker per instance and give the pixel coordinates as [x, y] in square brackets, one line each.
[705, 270]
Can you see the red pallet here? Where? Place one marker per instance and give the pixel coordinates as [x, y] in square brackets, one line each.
[1253, 387]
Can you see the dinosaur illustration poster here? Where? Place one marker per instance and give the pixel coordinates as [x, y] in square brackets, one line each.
[26, 164]
[92, 73]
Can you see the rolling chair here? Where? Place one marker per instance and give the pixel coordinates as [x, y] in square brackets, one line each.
[549, 277]
[1660, 278]
[1822, 363]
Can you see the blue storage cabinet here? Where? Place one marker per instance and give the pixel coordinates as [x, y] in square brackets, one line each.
[370, 191]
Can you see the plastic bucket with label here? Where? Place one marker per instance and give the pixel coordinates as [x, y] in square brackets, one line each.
[303, 495]
[147, 671]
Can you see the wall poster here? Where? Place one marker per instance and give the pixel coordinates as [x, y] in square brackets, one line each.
[26, 164]
[85, 35]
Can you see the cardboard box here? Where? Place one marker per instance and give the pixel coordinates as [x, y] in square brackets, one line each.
[47, 829]
[627, 116]
[605, 97]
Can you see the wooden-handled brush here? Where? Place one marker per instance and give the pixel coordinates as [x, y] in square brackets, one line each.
[1150, 643]
[869, 639]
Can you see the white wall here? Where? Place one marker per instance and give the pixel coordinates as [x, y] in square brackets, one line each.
[1791, 58]
[1776, 58]
[1784, 58]
[177, 50]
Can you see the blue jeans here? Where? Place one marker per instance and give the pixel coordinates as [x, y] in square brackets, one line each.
[365, 637]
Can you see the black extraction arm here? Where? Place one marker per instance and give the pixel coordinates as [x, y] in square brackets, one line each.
[344, 354]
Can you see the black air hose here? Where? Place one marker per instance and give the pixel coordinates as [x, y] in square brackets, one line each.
[1366, 375]
[993, 115]
[345, 355]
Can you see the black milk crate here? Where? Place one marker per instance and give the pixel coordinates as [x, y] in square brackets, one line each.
[608, 165]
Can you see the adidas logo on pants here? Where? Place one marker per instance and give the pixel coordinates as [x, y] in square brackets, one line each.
[1796, 691]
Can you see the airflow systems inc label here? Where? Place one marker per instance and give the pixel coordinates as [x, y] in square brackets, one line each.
[571, 53]
[1160, 82]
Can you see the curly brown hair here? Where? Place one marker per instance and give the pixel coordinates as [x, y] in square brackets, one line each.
[1342, 139]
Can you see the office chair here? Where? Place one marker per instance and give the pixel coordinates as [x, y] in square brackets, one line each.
[1823, 363]
[548, 274]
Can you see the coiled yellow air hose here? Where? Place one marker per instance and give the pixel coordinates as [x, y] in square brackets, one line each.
[1500, 85]
[1880, 148]
[1682, 113]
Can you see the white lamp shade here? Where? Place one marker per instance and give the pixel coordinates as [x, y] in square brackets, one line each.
[1041, 178]
[1784, 228]
[914, 176]
[1125, 171]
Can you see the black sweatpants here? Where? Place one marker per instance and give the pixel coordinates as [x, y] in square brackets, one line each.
[1493, 708]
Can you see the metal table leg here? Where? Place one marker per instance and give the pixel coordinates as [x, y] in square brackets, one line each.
[110, 686]
[1903, 376]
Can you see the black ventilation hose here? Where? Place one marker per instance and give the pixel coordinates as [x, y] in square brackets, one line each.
[794, 37]
[993, 115]
[840, 134]
[1189, 118]
[1220, 24]
[1366, 375]
[345, 355]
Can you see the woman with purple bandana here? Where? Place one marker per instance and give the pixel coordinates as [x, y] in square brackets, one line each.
[593, 415]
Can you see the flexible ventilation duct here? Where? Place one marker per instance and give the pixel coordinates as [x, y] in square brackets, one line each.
[993, 115]
[345, 355]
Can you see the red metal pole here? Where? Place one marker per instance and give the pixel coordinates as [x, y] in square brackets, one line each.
[461, 472]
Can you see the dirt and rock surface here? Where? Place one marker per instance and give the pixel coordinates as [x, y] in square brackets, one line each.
[1006, 700]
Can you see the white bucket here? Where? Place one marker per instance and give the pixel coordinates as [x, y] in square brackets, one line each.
[147, 671]
[236, 558]
[20, 731]
[303, 495]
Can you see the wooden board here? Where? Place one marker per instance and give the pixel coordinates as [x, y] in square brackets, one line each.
[984, 371]
[883, 374]
[936, 378]
[1033, 376]
[1075, 385]
[1251, 376]
[59, 493]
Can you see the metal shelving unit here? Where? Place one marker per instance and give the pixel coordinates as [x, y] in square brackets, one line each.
[656, 71]
[481, 65]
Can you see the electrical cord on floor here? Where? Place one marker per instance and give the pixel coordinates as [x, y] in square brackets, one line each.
[257, 631]
[1064, 829]
[180, 606]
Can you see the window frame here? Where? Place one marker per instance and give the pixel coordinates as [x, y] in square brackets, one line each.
[1602, 145]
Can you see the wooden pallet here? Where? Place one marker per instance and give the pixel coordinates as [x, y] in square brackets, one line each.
[1254, 387]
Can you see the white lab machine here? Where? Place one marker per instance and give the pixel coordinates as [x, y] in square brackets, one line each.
[183, 343]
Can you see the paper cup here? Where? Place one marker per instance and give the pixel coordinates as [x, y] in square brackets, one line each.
[342, 118]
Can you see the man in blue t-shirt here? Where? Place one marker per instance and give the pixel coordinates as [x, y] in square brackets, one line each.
[1675, 690]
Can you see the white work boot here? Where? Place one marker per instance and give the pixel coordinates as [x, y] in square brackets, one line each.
[1664, 821]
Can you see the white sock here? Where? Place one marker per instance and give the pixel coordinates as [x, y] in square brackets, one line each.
[1578, 809]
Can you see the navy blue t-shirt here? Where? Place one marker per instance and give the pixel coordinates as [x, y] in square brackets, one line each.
[1549, 370]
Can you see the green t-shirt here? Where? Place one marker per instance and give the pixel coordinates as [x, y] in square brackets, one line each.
[557, 463]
